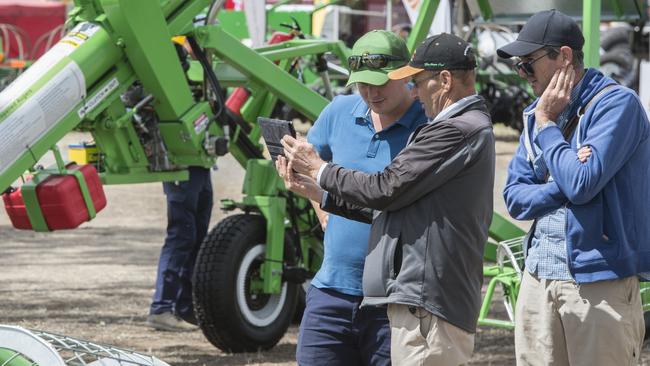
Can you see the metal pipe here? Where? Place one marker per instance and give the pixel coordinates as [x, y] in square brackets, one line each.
[389, 15]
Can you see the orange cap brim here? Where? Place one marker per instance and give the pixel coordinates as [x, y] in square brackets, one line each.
[404, 72]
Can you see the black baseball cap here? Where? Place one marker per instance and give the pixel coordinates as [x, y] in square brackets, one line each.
[440, 52]
[546, 28]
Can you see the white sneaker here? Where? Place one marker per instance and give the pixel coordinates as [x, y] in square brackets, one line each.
[169, 322]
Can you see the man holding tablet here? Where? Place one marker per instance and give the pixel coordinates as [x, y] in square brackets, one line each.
[364, 131]
[433, 207]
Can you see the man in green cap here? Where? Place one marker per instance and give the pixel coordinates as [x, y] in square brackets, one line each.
[430, 209]
[364, 131]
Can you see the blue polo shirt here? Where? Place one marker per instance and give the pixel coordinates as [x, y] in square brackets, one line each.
[344, 134]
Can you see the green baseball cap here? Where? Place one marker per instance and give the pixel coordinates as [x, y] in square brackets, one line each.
[378, 42]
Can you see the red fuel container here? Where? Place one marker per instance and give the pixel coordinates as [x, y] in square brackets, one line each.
[60, 199]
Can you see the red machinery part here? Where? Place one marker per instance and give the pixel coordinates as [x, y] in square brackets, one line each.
[279, 37]
[237, 99]
[35, 18]
[239, 4]
[60, 199]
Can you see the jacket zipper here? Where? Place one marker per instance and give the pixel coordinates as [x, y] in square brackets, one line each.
[578, 138]
[530, 153]
[566, 214]
[527, 143]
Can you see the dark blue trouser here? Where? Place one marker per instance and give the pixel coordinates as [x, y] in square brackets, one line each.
[335, 331]
[189, 205]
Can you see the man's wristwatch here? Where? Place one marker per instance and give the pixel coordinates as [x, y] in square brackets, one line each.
[541, 127]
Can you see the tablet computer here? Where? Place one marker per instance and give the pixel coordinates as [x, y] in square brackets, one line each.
[273, 130]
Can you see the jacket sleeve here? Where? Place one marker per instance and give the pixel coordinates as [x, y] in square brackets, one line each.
[526, 197]
[337, 206]
[615, 127]
[422, 166]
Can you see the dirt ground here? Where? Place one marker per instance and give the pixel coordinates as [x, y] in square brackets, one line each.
[96, 282]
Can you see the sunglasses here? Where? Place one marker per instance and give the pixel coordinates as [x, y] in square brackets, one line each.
[371, 61]
[527, 66]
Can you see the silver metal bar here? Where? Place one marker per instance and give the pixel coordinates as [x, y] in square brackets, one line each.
[389, 15]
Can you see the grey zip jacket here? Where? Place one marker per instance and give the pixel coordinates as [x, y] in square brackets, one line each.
[432, 209]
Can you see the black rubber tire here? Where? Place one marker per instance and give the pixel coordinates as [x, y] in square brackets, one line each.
[222, 320]
[615, 36]
[623, 50]
[620, 67]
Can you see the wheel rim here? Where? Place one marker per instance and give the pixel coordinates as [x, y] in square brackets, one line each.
[259, 310]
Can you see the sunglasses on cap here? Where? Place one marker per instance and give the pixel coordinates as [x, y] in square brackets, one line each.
[527, 66]
[371, 61]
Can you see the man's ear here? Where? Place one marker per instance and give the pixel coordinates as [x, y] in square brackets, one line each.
[446, 79]
[566, 54]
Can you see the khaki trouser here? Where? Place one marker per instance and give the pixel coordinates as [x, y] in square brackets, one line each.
[562, 323]
[420, 338]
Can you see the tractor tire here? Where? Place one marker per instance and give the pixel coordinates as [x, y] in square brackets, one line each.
[620, 67]
[615, 36]
[233, 318]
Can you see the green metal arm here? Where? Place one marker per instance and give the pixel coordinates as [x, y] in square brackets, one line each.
[262, 71]
[423, 24]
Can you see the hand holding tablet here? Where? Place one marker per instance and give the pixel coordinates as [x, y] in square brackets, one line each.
[273, 130]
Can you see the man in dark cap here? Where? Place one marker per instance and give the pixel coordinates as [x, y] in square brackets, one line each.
[579, 300]
[363, 131]
[430, 209]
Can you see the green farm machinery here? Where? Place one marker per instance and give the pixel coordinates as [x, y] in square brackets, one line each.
[152, 92]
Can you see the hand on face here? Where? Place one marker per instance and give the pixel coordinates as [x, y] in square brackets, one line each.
[557, 95]
[302, 156]
[298, 183]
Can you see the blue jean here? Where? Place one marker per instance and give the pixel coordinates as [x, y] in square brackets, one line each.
[335, 331]
[189, 205]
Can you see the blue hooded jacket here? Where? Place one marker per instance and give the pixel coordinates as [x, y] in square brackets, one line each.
[607, 197]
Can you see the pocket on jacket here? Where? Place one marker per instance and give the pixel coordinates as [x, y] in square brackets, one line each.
[599, 249]
[595, 241]
[378, 269]
[396, 260]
